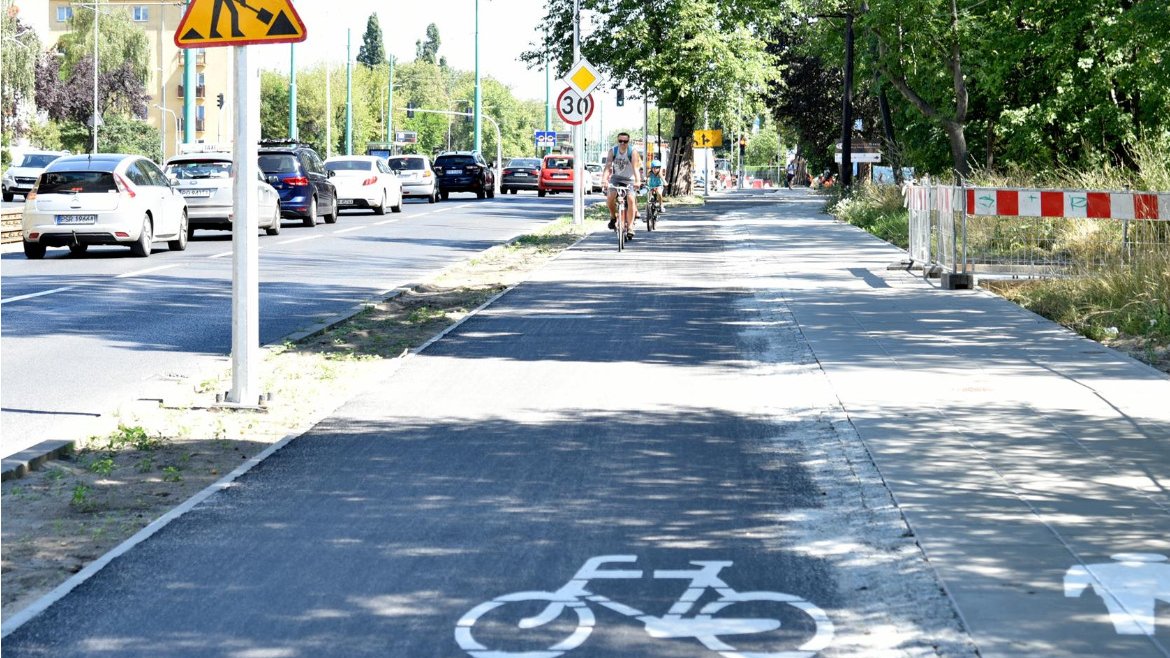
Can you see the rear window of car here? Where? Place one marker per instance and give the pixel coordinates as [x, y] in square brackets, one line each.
[349, 165]
[38, 159]
[407, 164]
[456, 161]
[524, 162]
[278, 162]
[559, 163]
[196, 169]
[81, 182]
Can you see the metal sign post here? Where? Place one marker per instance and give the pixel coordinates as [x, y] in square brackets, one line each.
[245, 229]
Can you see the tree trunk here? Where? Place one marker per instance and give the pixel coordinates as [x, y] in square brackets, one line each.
[888, 133]
[682, 153]
[958, 141]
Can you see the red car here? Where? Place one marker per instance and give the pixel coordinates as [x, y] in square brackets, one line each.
[556, 175]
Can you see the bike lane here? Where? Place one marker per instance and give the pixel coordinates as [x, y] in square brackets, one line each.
[634, 412]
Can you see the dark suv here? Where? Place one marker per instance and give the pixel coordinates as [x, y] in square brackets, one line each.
[464, 171]
[299, 176]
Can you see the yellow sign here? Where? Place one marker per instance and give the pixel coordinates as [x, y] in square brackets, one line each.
[583, 77]
[708, 138]
[210, 23]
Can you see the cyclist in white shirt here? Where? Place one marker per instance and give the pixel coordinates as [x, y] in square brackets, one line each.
[623, 167]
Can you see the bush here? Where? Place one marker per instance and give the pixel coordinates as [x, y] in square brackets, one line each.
[878, 209]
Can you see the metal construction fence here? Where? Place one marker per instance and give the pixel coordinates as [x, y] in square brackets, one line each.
[1002, 232]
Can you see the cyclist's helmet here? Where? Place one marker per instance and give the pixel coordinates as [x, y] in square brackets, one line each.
[655, 164]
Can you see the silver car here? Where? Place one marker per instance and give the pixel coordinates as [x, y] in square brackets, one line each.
[22, 178]
[103, 199]
[205, 181]
[418, 178]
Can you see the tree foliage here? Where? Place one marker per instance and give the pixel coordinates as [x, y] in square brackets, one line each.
[372, 52]
[700, 58]
[18, 58]
[427, 49]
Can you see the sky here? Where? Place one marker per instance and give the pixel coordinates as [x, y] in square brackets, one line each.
[506, 29]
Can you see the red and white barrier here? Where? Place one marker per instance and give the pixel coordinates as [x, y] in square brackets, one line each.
[1061, 203]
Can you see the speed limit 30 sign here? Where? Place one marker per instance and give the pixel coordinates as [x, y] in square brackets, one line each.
[574, 109]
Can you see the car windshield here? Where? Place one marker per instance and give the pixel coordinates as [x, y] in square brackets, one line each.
[349, 165]
[456, 161]
[193, 169]
[277, 162]
[559, 163]
[38, 159]
[407, 164]
[593, 167]
[524, 162]
[76, 182]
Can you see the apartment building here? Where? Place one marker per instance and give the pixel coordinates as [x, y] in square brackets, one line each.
[159, 20]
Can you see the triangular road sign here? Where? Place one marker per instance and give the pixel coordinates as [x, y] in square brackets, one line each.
[210, 23]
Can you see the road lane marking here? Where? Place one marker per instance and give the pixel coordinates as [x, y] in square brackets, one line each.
[221, 254]
[36, 294]
[348, 230]
[148, 270]
[304, 239]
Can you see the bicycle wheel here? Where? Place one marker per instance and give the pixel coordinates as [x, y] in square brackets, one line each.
[621, 223]
[525, 606]
[796, 624]
[651, 215]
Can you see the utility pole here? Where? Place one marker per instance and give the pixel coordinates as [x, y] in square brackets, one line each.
[478, 96]
[578, 132]
[847, 108]
[348, 95]
[547, 96]
[95, 77]
[390, 106]
[328, 110]
[292, 91]
[188, 93]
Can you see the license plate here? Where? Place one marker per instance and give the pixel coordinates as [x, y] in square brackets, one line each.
[345, 202]
[76, 219]
[560, 175]
[521, 175]
[453, 172]
[195, 193]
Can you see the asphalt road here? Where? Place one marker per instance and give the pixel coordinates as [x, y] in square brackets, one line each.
[82, 336]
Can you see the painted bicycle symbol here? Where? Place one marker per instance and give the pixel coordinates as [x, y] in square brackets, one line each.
[707, 626]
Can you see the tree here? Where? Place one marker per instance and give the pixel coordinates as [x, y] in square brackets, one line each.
[372, 53]
[427, 50]
[696, 57]
[18, 57]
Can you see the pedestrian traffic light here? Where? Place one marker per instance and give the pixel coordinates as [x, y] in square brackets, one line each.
[219, 101]
[621, 97]
[409, 111]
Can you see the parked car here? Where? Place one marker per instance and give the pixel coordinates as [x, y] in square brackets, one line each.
[22, 178]
[521, 174]
[298, 175]
[556, 175]
[365, 181]
[464, 171]
[417, 176]
[104, 198]
[594, 169]
[205, 181]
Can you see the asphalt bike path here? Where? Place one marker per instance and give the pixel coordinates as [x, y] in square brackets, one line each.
[666, 452]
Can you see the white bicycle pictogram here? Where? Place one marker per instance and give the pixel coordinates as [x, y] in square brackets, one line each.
[704, 625]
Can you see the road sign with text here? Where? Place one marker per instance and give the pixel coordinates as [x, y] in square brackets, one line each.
[574, 109]
[211, 23]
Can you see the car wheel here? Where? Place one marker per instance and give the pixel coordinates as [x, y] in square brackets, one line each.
[444, 195]
[380, 209]
[540, 193]
[190, 231]
[180, 243]
[311, 220]
[8, 196]
[398, 206]
[275, 228]
[480, 193]
[78, 249]
[491, 193]
[34, 250]
[503, 190]
[433, 197]
[331, 218]
[145, 239]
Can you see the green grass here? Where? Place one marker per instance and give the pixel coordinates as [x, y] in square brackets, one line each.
[876, 208]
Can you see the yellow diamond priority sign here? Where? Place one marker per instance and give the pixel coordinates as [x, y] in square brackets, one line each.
[583, 77]
[210, 23]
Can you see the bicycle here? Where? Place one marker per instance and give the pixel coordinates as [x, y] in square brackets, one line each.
[703, 626]
[622, 203]
[653, 209]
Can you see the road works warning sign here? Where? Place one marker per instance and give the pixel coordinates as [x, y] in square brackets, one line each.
[210, 23]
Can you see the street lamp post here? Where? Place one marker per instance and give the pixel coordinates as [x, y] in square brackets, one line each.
[164, 129]
[478, 94]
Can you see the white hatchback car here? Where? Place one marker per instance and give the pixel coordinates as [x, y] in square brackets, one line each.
[418, 178]
[365, 181]
[22, 178]
[103, 198]
[205, 181]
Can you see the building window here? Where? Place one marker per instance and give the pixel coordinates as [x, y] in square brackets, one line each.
[200, 124]
[64, 14]
[141, 14]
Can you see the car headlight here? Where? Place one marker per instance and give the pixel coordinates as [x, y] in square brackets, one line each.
[8, 177]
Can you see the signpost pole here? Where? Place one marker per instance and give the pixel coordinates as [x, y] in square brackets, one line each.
[245, 227]
[578, 132]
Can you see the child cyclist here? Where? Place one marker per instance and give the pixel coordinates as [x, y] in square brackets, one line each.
[655, 184]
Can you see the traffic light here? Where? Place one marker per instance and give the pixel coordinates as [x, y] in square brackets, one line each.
[219, 101]
[621, 97]
[742, 145]
[409, 111]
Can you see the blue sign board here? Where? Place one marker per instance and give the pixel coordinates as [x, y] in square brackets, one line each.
[546, 139]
